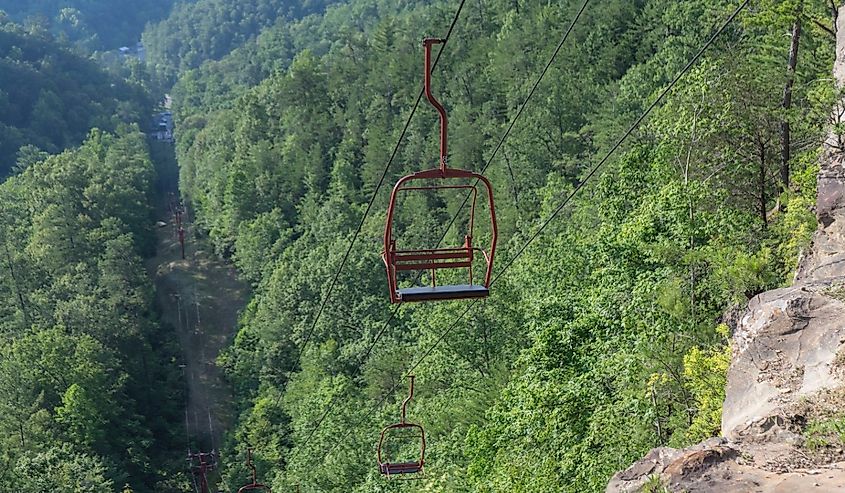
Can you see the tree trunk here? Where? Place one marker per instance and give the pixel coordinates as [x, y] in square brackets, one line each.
[762, 184]
[15, 281]
[23, 436]
[792, 62]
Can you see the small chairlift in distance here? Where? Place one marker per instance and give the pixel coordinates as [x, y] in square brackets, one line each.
[255, 485]
[417, 432]
[434, 259]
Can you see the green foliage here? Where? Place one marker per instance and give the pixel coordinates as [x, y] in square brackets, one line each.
[85, 370]
[93, 24]
[824, 433]
[61, 469]
[50, 98]
[595, 346]
[746, 275]
[209, 29]
[793, 230]
[705, 376]
[654, 485]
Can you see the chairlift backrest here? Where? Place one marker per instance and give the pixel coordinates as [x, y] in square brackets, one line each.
[255, 485]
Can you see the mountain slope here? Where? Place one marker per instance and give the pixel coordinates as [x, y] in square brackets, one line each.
[51, 98]
[96, 24]
[209, 29]
[784, 398]
[88, 390]
[601, 341]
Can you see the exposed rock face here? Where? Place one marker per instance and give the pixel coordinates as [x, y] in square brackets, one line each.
[788, 367]
[784, 348]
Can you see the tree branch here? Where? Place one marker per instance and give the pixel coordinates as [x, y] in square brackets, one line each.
[824, 28]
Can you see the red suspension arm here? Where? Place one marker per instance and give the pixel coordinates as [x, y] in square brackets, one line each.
[444, 122]
[407, 399]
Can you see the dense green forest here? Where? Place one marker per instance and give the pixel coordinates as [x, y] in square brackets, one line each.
[92, 24]
[89, 384]
[88, 387]
[607, 337]
[210, 29]
[50, 98]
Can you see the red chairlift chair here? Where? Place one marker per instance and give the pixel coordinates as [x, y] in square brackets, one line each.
[388, 468]
[461, 257]
[255, 485]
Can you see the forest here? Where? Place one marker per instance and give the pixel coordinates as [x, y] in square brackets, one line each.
[89, 390]
[638, 211]
[606, 338]
[209, 29]
[50, 97]
[89, 24]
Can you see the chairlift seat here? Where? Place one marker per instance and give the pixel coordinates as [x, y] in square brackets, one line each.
[254, 487]
[399, 260]
[390, 469]
[455, 292]
[403, 427]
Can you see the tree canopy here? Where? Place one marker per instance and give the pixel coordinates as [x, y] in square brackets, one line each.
[50, 98]
[94, 24]
[209, 29]
[88, 385]
[605, 338]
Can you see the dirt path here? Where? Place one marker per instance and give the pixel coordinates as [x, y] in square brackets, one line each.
[200, 297]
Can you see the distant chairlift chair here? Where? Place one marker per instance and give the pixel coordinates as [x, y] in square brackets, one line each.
[390, 469]
[434, 259]
[200, 469]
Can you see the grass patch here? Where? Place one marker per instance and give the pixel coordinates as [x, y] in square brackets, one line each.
[654, 485]
[825, 433]
[821, 421]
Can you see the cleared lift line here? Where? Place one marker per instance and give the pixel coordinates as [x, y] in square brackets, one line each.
[545, 223]
[501, 142]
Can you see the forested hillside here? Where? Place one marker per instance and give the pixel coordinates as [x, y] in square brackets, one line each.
[210, 29]
[605, 338]
[50, 98]
[88, 389]
[607, 330]
[217, 84]
[93, 24]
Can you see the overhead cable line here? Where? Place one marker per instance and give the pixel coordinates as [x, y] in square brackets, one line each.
[504, 137]
[328, 295]
[518, 113]
[333, 402]
[557, 211]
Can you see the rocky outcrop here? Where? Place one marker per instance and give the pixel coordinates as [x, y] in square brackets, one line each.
[787, 371]
[785, 349]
